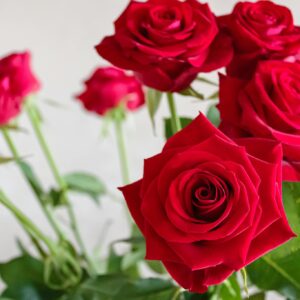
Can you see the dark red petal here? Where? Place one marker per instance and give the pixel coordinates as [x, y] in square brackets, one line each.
[220, 53]
[131, 194]
[110, 50]
[196, 132]
[190, 280]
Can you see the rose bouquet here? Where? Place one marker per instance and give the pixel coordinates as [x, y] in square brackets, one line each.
[216, 213]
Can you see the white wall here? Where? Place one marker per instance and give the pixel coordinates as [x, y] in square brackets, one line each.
[61, 35]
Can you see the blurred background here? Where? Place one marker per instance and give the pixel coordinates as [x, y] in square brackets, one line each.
[61, 34]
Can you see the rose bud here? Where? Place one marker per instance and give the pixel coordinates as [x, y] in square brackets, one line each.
[260, 30]
[16, 82]
[266, 106]
[167, 42]
[208, 207]
[108, 87]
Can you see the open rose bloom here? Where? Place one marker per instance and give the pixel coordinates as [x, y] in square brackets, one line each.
[208, 207]
[167, 42]
[217, 209]
[261, 30]
[266, 106]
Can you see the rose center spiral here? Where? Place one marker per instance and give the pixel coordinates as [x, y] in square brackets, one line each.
[209, 198]
[165, 18]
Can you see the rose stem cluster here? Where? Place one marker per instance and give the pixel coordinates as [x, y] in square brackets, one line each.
[31, 112]
[34, 233]
[45, 208]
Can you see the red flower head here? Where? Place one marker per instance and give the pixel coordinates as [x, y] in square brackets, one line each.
[167, 42]
[108, 87]
[16, 82]
[261, 30]
[207, 206]
[266, 106]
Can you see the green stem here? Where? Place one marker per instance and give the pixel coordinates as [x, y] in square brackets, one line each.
[28, 225]
[177, 294]
[122, 151]
[175, 120]
[46, 209]
[245, 280]
[35, 122]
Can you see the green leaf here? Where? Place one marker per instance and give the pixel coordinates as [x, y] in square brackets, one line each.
[85, 183]
[114, 262]
[13, 127]
[5, 160]
[24, 251]
[214, 95]
[168, 125]
[116, 265]
[132, 258]
[192, 93]
[32, 178]
[23, 278]
[205, 80]
[156, 266]
[230, 289]
[153, 100]
[213, 115]
[258, 296]
[116, 287]
[56, 197]
[279, 270]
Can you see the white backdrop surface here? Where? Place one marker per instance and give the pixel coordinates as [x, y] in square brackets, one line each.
[61, 35]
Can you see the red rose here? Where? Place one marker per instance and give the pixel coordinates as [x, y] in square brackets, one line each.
[10, 107]
[16, 67]
[109, 86]
[167, 42]
[268, 105]
[261, 30]
[16, 82]
[208, 207]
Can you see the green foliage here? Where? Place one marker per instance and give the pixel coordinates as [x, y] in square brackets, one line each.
[230, 289]
[32, 178]
[5, 160]
[128, 263]
[192, 93]
[168, 125]
[207, 81]
[86, 184]
[279, 270]
[116, 287]
[56, 197]
[214, 96]
[213, 115]
[23, 278]
[156, 266]
[258, 296]
[153, 100]
[62, 270]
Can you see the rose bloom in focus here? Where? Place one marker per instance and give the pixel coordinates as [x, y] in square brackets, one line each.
[167, 42]
[207, 206]
[267, 106]
[108, 87]
[16, 82]
[261, 30]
